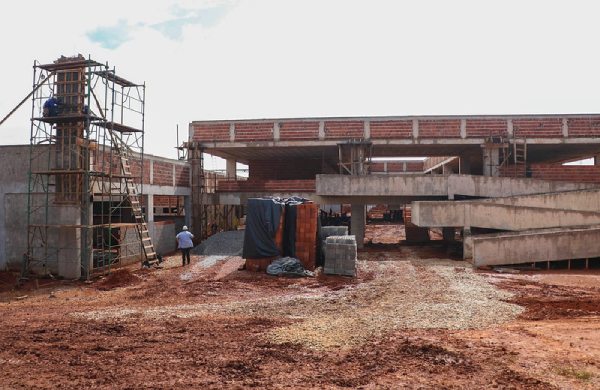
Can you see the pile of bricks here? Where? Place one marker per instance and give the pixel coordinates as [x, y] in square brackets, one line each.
[340, 255]
[306, 234]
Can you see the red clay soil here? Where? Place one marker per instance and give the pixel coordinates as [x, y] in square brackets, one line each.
[46, 346]
[118, 278]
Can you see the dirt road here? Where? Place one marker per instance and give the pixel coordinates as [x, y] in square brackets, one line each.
[412, 319]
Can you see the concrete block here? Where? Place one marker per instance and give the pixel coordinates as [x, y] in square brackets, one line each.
[340, 255]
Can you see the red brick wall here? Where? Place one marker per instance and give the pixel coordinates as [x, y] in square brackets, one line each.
[167, 200]
[344, 129]
[253, 131]
[391, 129]
[486, 127]
[439, 128]
[584, 127]
[575, 173]
[136, 170]
[538, 128]
[267, 186]
[182, 175]
[298, 130]
[211, 132]
[163, 173]
[558, 172]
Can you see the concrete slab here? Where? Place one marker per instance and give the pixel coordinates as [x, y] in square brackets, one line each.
[496, 216]
[536, 246]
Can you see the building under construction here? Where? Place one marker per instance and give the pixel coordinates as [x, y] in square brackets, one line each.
[496, 185]
[86, 206]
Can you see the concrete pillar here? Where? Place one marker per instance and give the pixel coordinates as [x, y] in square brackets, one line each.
[231, 170]
[357, 224]
[467, 244]
[491, 162]
[187, 210]
[68, 241]
[150, 208]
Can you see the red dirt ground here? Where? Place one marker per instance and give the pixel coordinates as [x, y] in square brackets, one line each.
[554, 344]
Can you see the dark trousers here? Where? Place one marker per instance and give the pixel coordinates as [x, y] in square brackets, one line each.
[185, 254]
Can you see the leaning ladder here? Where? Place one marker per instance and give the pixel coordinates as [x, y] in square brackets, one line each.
[134, 199]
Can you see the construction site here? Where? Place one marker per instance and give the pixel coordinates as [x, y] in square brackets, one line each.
[434, 251]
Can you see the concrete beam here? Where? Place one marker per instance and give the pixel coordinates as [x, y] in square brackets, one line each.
[536, 246]
[580, 200]
[496, 187]
[446, 186]
[381, 185]
[496, 216]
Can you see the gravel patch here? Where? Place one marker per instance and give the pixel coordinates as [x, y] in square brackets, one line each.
[196, 267]
[406, 294]
[223, 243]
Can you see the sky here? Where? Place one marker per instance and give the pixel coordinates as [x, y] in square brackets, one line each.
[251, 59]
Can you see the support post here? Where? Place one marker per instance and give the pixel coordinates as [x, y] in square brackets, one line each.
[357, 224]
[230, 169]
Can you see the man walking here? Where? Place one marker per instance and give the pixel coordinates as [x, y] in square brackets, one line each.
[185, 244]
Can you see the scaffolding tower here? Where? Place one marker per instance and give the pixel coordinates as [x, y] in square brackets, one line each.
[85, 205]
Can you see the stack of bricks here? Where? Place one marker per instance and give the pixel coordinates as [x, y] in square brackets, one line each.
[340, 255]
[306, 234]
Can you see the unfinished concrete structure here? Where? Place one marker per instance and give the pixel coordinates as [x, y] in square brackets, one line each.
[331, 161]
[73, 201]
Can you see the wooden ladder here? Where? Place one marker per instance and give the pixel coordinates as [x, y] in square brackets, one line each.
[134, 199]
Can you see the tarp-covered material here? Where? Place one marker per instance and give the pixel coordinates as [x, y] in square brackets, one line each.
[289, 233]
[288, 266]
[262, 221]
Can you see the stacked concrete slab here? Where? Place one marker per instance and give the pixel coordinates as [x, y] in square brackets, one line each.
[328, 231]
[340, 255]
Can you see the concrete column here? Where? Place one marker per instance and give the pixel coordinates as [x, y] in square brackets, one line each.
[321, 130]
[187, 210]
[357, 224]
[231, 170]
[415, 128]
[467, 244]
[276, 135]
[68, 242]
[367, 130]
[565, 127]
[232, 132]
[491, 162]
[150, 208]
[463, 128]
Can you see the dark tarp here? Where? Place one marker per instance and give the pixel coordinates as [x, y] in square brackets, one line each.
[262, 222]
[288, 266]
